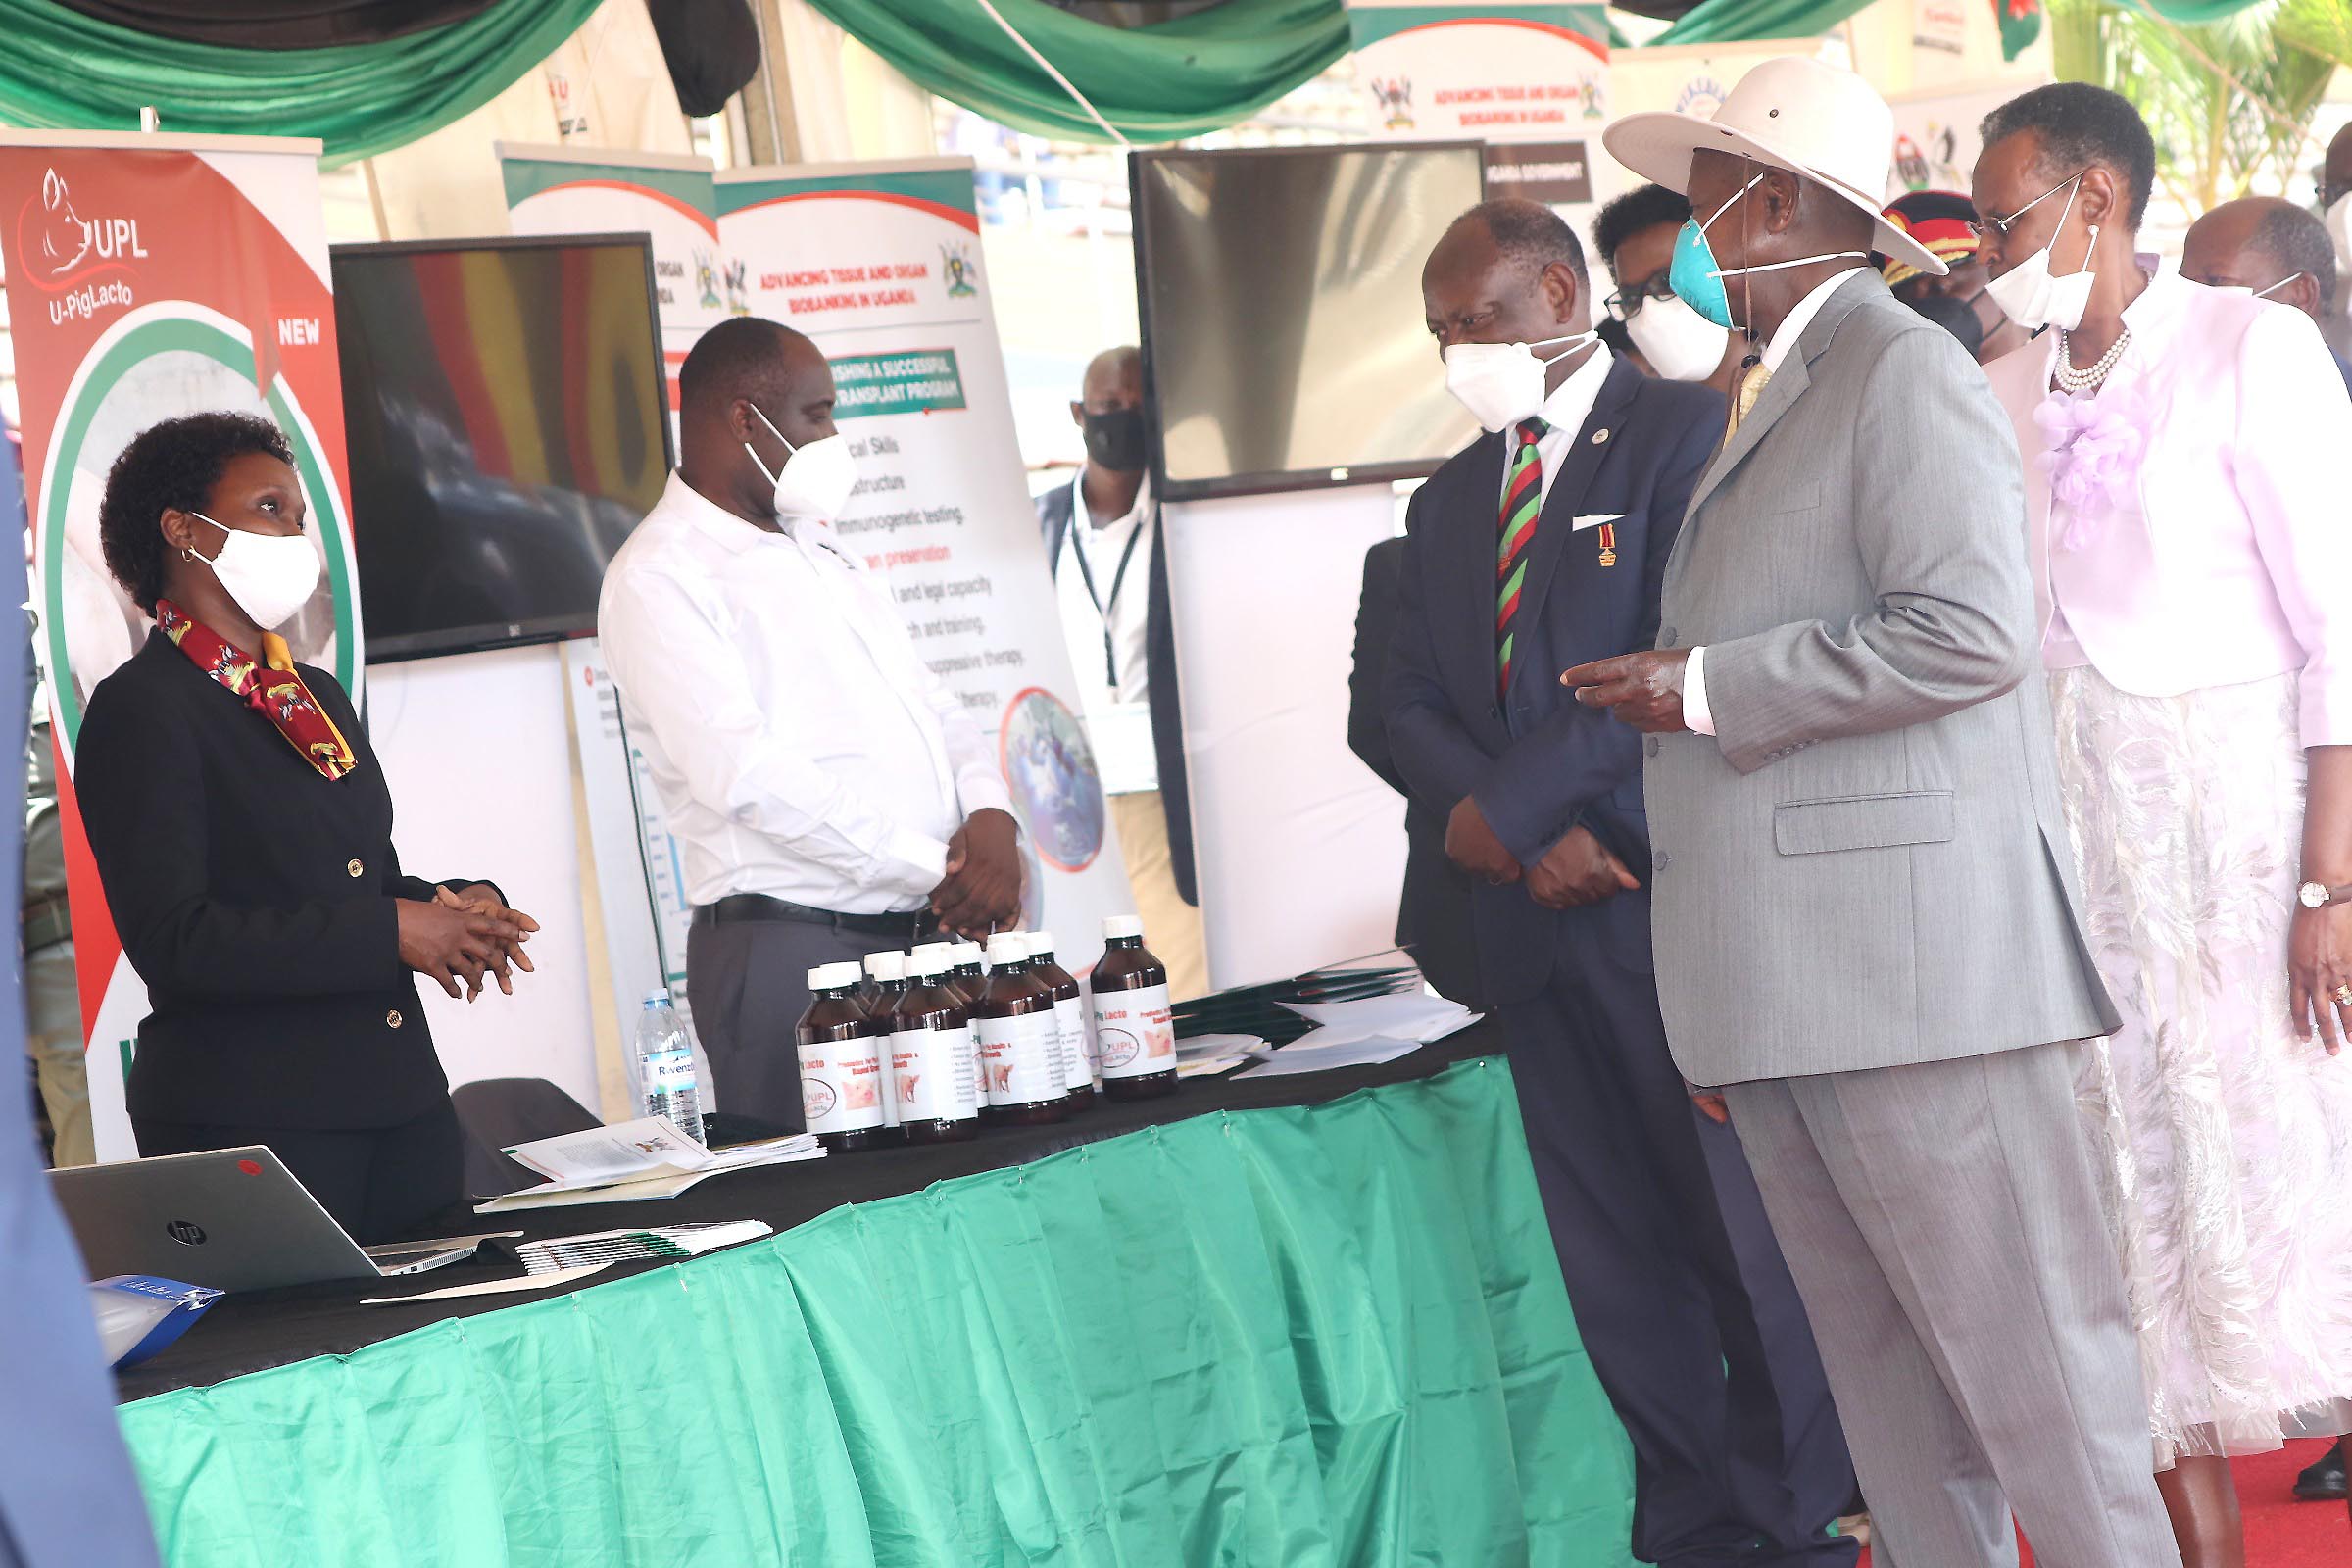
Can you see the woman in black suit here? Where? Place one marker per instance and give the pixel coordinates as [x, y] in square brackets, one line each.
[243, 832]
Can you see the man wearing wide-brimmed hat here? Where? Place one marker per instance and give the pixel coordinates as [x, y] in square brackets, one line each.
[1865, 909]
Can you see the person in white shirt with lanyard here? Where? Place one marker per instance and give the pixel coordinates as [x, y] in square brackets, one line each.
[1111, 583]
[830, 795]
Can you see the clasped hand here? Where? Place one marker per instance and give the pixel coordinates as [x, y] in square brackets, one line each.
[463, 936]
[1574, 872]
[982, 889]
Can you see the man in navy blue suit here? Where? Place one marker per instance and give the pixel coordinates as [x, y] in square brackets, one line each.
[67, 1492]
[1541, 545]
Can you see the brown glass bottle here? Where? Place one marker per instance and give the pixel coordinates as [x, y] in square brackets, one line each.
[842, 1078]
[1018, 1041]
[934, 1058]
[1135, 1038]
[967, 976]
[1069, 1019]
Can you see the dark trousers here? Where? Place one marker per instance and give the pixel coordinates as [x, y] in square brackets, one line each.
[1685, 1308]
[382, 1184]
[746, 982]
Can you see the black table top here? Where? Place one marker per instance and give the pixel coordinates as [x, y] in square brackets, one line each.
[254, 1331]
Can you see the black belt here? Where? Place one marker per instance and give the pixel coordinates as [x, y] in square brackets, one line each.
[739, 908]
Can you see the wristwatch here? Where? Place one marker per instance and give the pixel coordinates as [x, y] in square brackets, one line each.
[2319, 895]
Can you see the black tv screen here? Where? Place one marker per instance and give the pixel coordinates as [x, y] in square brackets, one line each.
[1285, 343]
[508, 426]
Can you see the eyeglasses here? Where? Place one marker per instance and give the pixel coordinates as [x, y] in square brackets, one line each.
[1997, 228]
[1626, 303]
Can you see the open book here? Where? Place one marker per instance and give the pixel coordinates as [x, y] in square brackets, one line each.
[634, 1161]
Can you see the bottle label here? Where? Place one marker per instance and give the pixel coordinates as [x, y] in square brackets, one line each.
[841, 1083]
[1021, 1060]
[933, 1073]
[1134, 1032]
[1077, 1063]
[669, 1072]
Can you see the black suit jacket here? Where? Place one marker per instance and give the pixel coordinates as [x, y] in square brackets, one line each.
[1053, 509]
[1539, 762]
[1433, 913]
[255, 897]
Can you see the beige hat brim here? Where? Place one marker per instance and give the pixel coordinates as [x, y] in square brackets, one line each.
[1658, 146]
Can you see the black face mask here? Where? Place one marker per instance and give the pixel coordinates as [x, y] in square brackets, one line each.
[1115, 440]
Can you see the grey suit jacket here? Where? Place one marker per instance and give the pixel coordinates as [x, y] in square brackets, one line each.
[1865, 866]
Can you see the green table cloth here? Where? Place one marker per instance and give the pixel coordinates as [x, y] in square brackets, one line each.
[1324, 1335]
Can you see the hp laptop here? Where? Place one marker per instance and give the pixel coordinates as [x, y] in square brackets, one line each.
[231, 1218]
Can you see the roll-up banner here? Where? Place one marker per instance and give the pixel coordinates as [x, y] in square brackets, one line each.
[880, 264]
[1530, 80]
[152, 276]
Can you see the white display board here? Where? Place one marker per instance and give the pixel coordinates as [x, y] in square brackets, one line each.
[1299, 847]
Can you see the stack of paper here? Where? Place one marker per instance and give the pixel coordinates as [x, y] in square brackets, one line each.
[1206, 1055]
[634, 1161]
[1359, 1033]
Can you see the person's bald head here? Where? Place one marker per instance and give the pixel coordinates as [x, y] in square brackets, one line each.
[2271, 246]
[1508, 270]
[749, 382]
[2335, 174]
[1115, 379]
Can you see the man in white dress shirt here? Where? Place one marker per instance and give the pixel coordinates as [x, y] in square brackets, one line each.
[831, 796]
[1110, 574]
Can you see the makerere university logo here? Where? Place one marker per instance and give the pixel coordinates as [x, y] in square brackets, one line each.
[59, 245]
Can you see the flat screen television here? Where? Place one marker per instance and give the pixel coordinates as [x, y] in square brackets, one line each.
[1285, 345]
[508, 426]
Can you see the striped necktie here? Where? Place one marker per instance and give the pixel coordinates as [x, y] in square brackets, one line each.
[1522, 501]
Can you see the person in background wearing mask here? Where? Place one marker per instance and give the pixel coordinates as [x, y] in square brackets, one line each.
[1945, 226]
[1542, 543]
[2187, 540]
[831, 796]
[2270, 249]
[1864, 933]
[1634, 234]
[1110, 578]
[243, 834]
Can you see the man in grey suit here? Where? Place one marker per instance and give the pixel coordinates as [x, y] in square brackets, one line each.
[1866, 924]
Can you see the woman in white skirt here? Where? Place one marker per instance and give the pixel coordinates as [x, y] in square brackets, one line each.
[2186, 455]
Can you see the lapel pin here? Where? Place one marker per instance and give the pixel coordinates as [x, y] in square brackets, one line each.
[1599, 436]
[1608, 537]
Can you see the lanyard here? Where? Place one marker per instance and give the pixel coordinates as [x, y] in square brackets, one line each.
[1111, 652]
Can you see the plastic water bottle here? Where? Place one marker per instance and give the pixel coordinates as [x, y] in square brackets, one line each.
[665, 1066]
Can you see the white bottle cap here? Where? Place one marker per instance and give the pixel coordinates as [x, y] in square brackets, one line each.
[1041, 944]
[886, 966]
[967, 952]
[1008, 947]
[833, 976]
[1116, 926]
[658, 997]
[929, 963]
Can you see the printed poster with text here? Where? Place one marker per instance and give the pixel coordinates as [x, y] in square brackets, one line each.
[880, 264]
[149, 279]
[1532, 80]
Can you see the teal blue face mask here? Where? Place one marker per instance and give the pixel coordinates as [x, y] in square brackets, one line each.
[1697, 279]
[1693, 275]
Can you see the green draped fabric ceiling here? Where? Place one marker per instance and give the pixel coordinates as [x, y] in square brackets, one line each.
[62, 71]
[1313, 1336]
[1197, 73]
[1738, 21]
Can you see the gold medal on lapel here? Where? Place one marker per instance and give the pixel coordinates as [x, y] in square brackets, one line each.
[1608, 544]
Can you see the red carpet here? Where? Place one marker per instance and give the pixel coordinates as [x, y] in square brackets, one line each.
[2281, 1533]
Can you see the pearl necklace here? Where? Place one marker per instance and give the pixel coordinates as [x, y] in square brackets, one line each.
[2089, 378]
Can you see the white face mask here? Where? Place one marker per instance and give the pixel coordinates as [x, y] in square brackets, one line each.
[2028, 294]
[1679, 343]
[269, 576]
[1501, 384]
[2260, 294]
[817, 479]
[2339, 229]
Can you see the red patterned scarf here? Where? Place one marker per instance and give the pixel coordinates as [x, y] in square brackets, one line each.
[274, 691]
